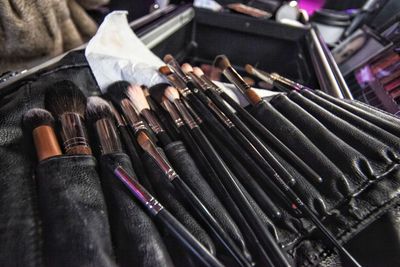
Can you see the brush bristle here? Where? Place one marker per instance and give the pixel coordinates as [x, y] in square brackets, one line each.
[249, 68]
[165, 70]
[65, 96]
[167, 58]
[171, 93]
[36, 117]
[135, 94]
[145, 91]
[97, 108]
[116, 92]
[157, 91]
[142, 138]
[186, 68]
[199, 72]
[222, 62]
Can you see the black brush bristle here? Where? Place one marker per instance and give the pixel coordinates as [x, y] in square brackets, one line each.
[97, 109]
[36, 117]
[117, 92]
[65, 96]
[157, 91]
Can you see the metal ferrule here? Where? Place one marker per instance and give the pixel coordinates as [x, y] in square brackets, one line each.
[73, 131]
[139, 126]
[211, 85]
[179, 85]
[175, 68]
[120, 121]
[236, 79]
[139, 191]
[192, 112]
[107, 136]
[173, 113]
[266, 77]
[187, 118]
[287, 82]
[152, 121]
[221, 115]
[199, 82]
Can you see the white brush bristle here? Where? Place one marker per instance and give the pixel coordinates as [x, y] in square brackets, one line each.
[136, 95]
[199, 72]
[186, 68]
[171, 93]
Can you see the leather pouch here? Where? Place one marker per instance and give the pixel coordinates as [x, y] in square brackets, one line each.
[135, 238]
[76, 231]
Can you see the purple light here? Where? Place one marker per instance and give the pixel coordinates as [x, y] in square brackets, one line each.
[311, 5]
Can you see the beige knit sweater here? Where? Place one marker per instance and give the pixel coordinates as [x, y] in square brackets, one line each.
[34, 29]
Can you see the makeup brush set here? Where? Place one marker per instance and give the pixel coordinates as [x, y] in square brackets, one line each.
[180, 174]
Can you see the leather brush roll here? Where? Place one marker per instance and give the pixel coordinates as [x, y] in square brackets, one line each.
[74, 213]
[135, 237]
[363, 124]
[347, 158]
[335, 180]
[188, 171]
[379, 154]
[378, 117]
[169, 198]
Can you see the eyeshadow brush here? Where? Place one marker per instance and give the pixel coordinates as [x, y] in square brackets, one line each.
[136, 95]
[229, 181]
[223, 63]
[101, 116]
[68, 104]
[40, 123]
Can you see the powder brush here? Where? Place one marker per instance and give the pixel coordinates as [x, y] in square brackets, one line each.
[68, 105]
[39, 122]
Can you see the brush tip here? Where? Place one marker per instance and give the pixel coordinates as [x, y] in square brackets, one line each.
[97, 108]
[165, 70]
[157, 91]
[222, 62]
[36, 117]
[186, 68]
[136, 95]
[171, 93]
[64, 96]
[167, 58]
[249, 68]
[116, 91]
[199, 72]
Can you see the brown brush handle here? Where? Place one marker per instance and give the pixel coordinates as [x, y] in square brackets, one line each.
[79, 150]
[46, 142]
[253, 97]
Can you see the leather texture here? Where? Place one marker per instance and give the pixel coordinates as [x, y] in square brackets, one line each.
[130, 225]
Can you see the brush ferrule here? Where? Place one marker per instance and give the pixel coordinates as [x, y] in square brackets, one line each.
[73, 134]
[139, 191]
[211, 85]
[192, 112]
[173, 113]
[187, 118]
[139, 126]
[46, 142]
[289, 84]
[221, 115]
[174, 67]
[107, 136]
[199, 82]
[152, 121]
[231, 74]
[179, 84]
[266, 77]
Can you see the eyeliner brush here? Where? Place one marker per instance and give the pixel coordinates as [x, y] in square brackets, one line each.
[100, 115]
[252, 138]
[274, 79]
[223, 63]
[148, 146]
[263, 234]
[136, 95]
[261, 130]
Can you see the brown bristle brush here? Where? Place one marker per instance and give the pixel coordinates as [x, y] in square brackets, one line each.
[68, 104]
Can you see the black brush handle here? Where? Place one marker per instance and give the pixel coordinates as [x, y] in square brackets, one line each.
[262, 233]
[265, 153]
[164, 138]
[210, 221]
[184, 236]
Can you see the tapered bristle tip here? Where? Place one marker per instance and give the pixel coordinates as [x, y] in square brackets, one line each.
[36, 117]
[136, 95]
[97, 109]
[199, 72]
[186, 68]
[171, 93]
[222, 62]
[248, 68]
[167, 58]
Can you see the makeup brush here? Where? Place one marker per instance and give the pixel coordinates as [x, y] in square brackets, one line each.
[39, 122]
[302, 207]
[68, 105]
[100, 114]
[148, 146]
[222, 63]
[244, 115]
[274, 79]
[135, 94]
[230, 183]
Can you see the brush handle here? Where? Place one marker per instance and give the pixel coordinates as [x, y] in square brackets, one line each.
[272, 139]
[227, 177]
[156, 127]
[210, 221]
[155, 209]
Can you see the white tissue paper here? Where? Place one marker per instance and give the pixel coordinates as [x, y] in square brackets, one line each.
[116, 53]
